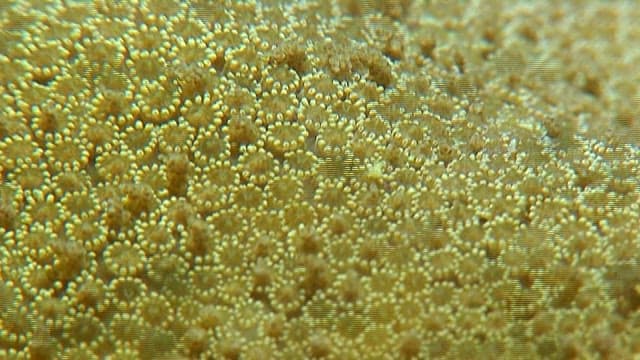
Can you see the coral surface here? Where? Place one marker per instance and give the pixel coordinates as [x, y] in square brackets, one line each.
[334, 179]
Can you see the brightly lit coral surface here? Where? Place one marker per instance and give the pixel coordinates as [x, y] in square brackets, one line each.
[384, 179]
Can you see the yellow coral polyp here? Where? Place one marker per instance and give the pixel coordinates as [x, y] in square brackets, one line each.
[17, 150]
[257, 165]
[66, 153]
[201, 111]
[158, 102]
[283, 137]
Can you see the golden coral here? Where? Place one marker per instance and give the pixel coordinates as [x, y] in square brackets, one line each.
[213, 179]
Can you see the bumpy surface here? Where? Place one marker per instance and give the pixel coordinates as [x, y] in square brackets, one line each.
[389, 179]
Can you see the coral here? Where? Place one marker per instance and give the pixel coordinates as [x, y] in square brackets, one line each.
[281, 78]
[158, 101]
[123, 258]
[85, 328]
[51, 118]
[88, 293]
[241, 129]
[255, 179]
[320, 88]
[409, 345]
[126, 291]
[41, 208]
[257, 165]
[89, 230]
[44, 59]
[196, 240]
[178, 170]
[247, 197]
[140, 139]
[115, 165]
[70, 259]
[8, 215]
[202, 110]
[175, 137]
[195, 341]
[210, 145]
[283, 137]
[16, 150]
[166, 273]
[66, 153]
[284, 189]
[155, 310]
[193, 80]
[31, 177]
[333, 138]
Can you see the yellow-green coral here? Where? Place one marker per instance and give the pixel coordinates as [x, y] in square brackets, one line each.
[340, 179]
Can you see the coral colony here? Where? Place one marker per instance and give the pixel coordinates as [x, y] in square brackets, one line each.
[319, 179]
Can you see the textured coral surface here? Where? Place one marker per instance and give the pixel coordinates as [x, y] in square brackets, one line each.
[339, 179]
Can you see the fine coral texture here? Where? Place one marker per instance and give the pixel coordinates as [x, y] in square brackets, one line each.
[320, 179]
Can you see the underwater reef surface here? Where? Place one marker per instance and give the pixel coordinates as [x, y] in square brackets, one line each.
[383, 179]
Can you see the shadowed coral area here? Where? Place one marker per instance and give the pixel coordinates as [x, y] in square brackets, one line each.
[339, 179]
